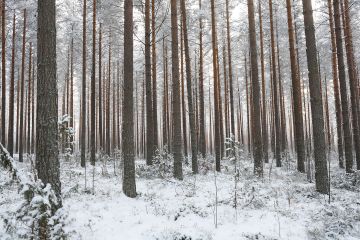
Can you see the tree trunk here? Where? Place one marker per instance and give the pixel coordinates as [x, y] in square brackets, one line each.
[47, 161]
[321, 176]
[93, 92]
[154, 77]
[12, 94]
[21, 129]
[176, 105]
[343, 90]
[83, 95]
[296, 90]
[194, 148]
[351, 62]
[336, 87]
[3, 74]
[149, 106]
[129, 185]
[257, 147]
[263, 92]
[277, 132]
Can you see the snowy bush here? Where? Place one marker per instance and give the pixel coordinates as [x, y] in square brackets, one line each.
[163, 162]
[39, 216]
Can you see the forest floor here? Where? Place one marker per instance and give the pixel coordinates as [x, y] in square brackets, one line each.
[282, 205]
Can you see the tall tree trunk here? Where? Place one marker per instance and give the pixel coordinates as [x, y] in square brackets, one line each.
[263, 90]
[258, 149]
[296, 90]
[321, 176]
[194, 148]
[176, 120]
[216, 94]
[12, 94]
[129, 186]
[3, 74]
[343, 90]
[93, 91]
[336, 86]
[28, 138]
[277, 132]
[47, 160]
[21, 129]
[351, 62]
[154, 77]
[83, 95]
[202, 142]
[149, 105]
[100, 91]
[182, 80]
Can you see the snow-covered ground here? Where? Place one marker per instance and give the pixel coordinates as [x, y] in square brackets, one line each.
[282, 205]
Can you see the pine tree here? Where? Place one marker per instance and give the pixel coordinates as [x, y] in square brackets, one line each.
[47, 161]
[129, 186]
[317, 114]
[176, 106]
[343, 89]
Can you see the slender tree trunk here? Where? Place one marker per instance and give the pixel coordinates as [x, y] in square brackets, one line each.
[154, 77]
[100, 90]
[182, 79]
[351, 62]
[194, 149]
[296, 90]
[321, 176]
[3, 73]
[216, 98]
[83, 95]
[336, 86]
[12, 94]
[343, 90]
[258, 149]
[129, 186]
[28, 138]
[263, 92]
[93, 91]
[21, 129]
[202, 142]
[176, 104]
[149, 105]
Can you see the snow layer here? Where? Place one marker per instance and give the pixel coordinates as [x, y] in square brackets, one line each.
[282, 205]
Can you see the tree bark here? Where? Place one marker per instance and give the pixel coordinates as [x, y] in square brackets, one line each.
[321, 176]
[343, 90]
[47, 161]
[176, 112]
[129, 185]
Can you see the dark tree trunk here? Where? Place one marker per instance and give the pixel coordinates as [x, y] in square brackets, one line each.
[129, 185]
[176, 111]
[149, 106]
[21, 129]
[343, 90]
[296, 90]
[321, 176]
[12, 94]
[83, 95]
[47, 161]
[194, 148]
